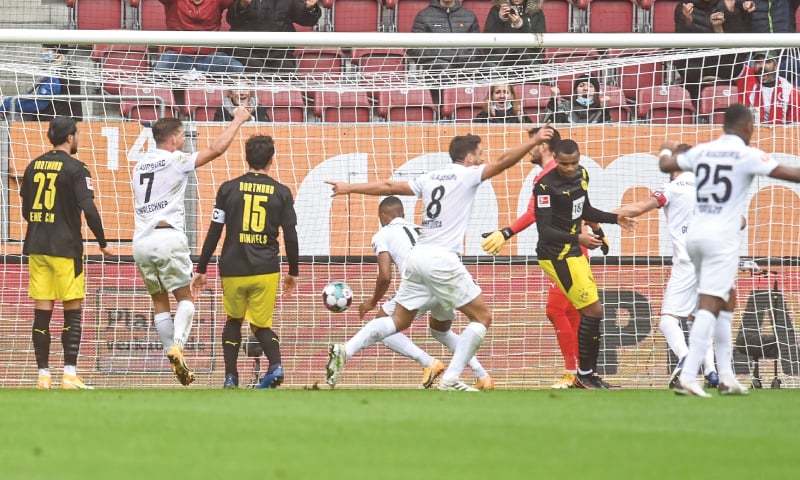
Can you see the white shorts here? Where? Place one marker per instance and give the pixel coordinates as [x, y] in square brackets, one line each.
[434, 273]
[162, 257]
[716, 264]
[680, 297]
[433, 306]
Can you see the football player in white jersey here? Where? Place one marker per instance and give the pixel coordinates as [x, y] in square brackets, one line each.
[160, 247]
[433, 268]
[676, 199]
[724, 169]
[391, 244]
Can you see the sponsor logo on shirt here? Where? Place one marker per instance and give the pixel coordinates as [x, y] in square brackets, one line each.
[89, 183]
[543, 201]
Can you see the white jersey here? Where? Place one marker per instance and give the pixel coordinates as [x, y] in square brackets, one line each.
[159, 187]
[396, 238]
[448, 195]
[724, 169]
[677, 199]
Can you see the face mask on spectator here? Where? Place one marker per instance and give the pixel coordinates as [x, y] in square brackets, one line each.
[49, 57]
[585, 101]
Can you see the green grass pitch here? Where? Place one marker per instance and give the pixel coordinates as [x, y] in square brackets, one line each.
[395, 434]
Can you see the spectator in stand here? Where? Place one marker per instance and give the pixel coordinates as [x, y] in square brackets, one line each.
[584, 105]
[515, 16]
[240, 98]
[778, 16]
[196, 15]
[502, 106]
[270, 16]
[772, 98]
[45, 86]
[711, 16]
[446, 16]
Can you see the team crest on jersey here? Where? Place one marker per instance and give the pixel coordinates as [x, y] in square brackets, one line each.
[543, 201]
[765, 158]
[89, 183]
[584, 185]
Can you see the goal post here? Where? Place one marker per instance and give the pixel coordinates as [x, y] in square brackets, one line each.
[336, 116]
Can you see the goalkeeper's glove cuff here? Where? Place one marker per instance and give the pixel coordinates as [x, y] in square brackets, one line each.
[507, 233]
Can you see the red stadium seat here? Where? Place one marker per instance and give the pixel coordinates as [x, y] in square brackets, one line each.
[406, 105]
[284, 106]
[612, 16]
[356, 16]
[557, 16]
[636, 76]
[379, 63]
[534, 98]
[714, 100]
[664, 15]
[151, 15]
[319, 62]
[147, 104]
[406, 12]
[342, 107]
[202, 104]
[462, 104]
[662, 104]
[96, 14]
[618, 104]
[118, 62]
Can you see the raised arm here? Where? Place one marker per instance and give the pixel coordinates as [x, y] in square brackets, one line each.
[384, 187]
[221, 143]
[638, 208]
[382, 283]
[513, 155]
[667, 160]
[784, 172]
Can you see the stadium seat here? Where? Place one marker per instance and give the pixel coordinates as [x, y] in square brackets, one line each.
[150, 15]
[480, 8]
[96, 14]
[662, 104]
[714, 100]
[406, 105]
[202, 103]
[283, 106]
[557, 16]
[612, 16]
[534, 97]
[120, 61]
[379, 64]
[634, 76]
[322, 63]
[406, 12]
[664, 15]
[462, 104]
[618, 104]
[356, 16]
[146, 103]
[342, 107]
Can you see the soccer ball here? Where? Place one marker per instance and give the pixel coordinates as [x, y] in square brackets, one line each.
[337, 296]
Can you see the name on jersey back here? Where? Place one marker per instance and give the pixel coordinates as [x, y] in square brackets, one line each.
[148, 166]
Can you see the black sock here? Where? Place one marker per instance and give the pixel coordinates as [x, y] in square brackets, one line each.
[588, 343]
[271, 345]
[71, 336]
[40, 334]
[231, 341]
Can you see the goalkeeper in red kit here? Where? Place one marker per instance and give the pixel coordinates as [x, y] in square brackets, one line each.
[559, 310]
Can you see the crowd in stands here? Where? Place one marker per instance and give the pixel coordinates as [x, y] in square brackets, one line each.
[766, 81]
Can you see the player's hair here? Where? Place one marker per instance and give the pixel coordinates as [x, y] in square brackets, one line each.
[682, 148]
[259, 150]
[553, 140]
[164, 128]
[462, 145]
[566, 146]
[736, 116]
[392, 203]
[60, 129]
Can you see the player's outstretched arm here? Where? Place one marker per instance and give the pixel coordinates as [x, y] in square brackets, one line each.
[784, 172]
[382, 283]
[637, 208]
[513, 155]
[385, 187]
[221, 143]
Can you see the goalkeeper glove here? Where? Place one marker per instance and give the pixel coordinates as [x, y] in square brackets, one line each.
[600, 233]
[494, 241]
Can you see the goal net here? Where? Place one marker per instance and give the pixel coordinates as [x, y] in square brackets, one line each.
[369, 107]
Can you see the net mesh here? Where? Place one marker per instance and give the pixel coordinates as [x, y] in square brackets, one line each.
[375, 113]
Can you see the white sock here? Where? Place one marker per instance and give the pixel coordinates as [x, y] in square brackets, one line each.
[165, 328]
[400, 343]
[183, 322]
[468, 343]
[374, 331]
[671, 328]
[723, 346]
[708, 360]
[70, 370]
[44, 371]
[699, 343]
[449, 339]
